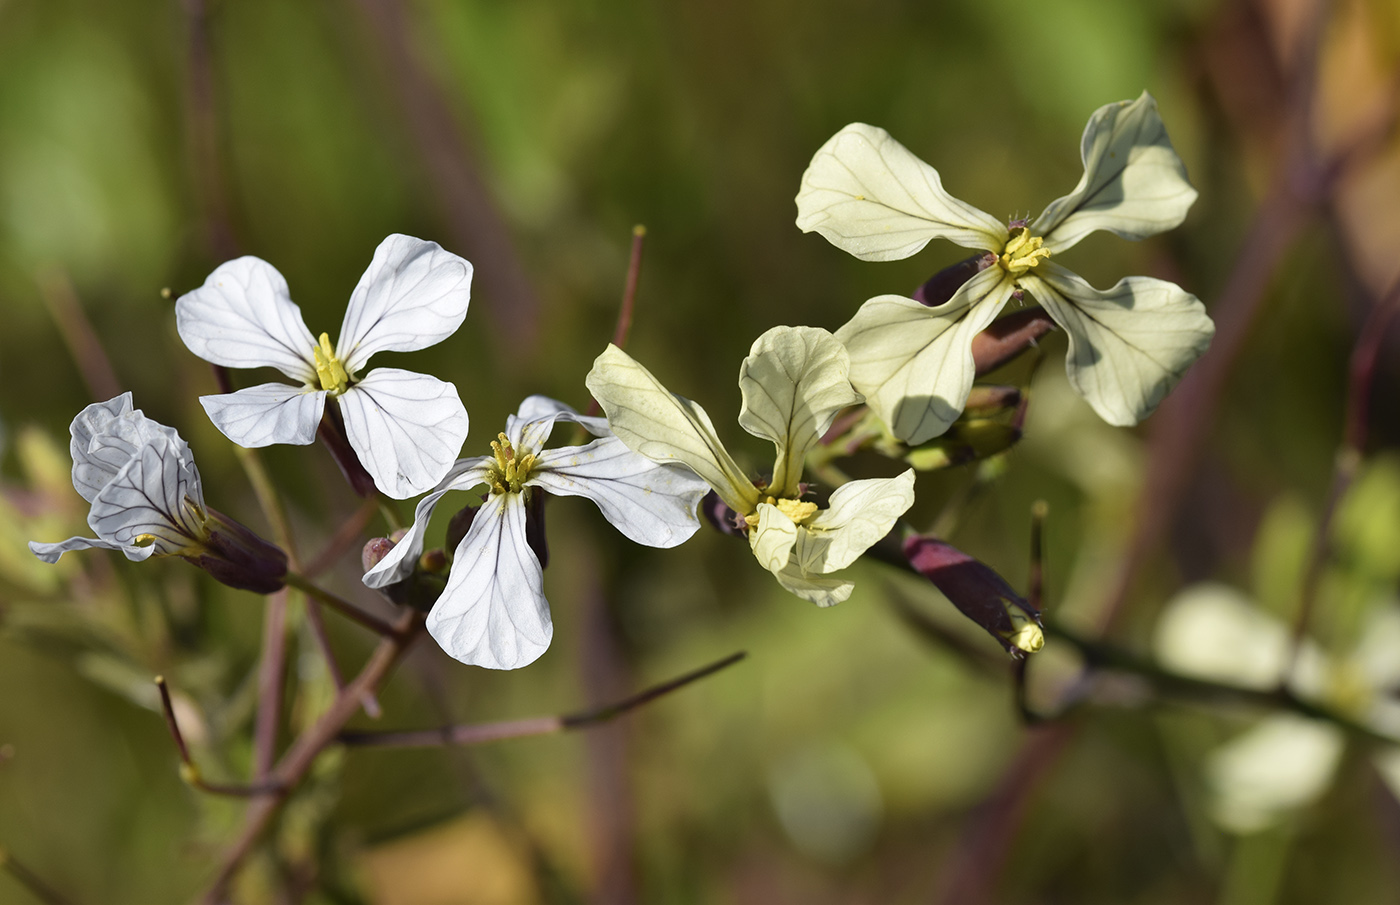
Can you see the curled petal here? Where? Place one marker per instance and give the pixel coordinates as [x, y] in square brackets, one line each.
[151, 495]
[396, 565]
[665, 427]
[105, 437]
[1128, 346]
[531, 425]
[406, 428]
[823, 590]
[244, 317]
[413, 295]
[651, 504]
[860, 514]
[914, 364]
[1284, 763]
[493, 612]
[267, 414]
[1134, 184]
[50, 553]
[772, 539]
[794, 382]
[868, 195]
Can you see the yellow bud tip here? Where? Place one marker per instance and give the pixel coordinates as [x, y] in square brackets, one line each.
[160, 680]
[1040, 509]
[166, 293]
[639, 230]
[190, 774]
[1028, 638]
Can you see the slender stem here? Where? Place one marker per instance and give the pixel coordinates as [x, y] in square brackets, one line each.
[271, 677]
[189, 771]
[343, 539]
[479, 733]
[629, 289]
[30, 881]
[317, 626]
[73, 325]
[344, 607]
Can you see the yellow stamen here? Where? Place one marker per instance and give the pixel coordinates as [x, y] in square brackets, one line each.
[1022, 253]
[144, 540]
[1026, 634]
[331, 372]
[799, 511]
[508, 474]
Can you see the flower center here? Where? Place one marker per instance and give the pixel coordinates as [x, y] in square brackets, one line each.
[1022, 252]
[799, 511]
[508, 473]
[334, 380]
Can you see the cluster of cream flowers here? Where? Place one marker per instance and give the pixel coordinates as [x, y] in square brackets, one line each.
[656, 454]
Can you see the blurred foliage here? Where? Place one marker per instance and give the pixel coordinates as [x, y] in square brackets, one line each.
[845, 759]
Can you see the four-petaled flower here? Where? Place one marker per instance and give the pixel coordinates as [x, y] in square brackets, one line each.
[406, 428]
[493, 612]
[1128, 346]
[793, 382]
[147, 501]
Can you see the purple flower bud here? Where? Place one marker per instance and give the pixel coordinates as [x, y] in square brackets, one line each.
[236, 556]
[979, 593]
[374, 552]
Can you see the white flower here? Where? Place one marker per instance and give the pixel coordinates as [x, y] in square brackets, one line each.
[1286, 761]
[1128, 346]
[141, 480]
[493, 612]
[406, 428]
[793, 384]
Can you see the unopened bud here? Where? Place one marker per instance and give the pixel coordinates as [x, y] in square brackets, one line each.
[1009, 337]
[434, 560]
[459, 526]
[979, 593]
[966, 441]
[991, 399]
[721, 516]
[941, 287]
[374, 552]
[234, 555]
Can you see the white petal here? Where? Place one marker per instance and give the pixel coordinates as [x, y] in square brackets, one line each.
[868, 195]
[266, 414]
[413, 295]
[772, 539]
[860, 514]
[50, 553]
[105, 437]
[1134, 185]
[531, 425]
[651, 504]
[399, 561]
[244, 317]
[913, 363]
[406, 428]
[665, 427]
[1282, 764]
[794, 382]
[493, 612]
[148, 496]
[1128, 346]
[823, 590]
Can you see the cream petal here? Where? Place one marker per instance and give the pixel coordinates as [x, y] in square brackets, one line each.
[406, 429]
[650, 503]
[914, 364]
[1284, 763]
[868, 195]
[859, 515]
[413, 295]
[665, 427]
[244, 317]
[1129, 345]
[772, 539]
[493, 612]
[1134, 183]
[266, 414]
[823, 590]
[794, 382]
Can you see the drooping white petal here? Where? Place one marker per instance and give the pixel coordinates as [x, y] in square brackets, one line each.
[266, 414]
[860, 514]
[413, 295]
[868, 195]
[1134, 184]
[399, 561]
[823, 590]
[650, 503]
[493, 612]
[913, 363]
[665, 427]
[1129, 345]
[244, 317]
[406, 428]
[794, 381]
[1282, 764]
[50, 553]
[772, 539]
[531, 425]
[149, 496]
[96, 463]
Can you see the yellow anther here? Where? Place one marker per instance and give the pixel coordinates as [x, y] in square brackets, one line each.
[508, 473]
[1022, 253]
[144, 540]
[1026, 634]
[797, 510]
[331, 372]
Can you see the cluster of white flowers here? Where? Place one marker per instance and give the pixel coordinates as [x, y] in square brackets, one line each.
[656, 454]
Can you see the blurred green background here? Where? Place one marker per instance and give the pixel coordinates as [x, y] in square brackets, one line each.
[847, 760]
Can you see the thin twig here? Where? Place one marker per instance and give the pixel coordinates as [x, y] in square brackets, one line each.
[343, 539]
[73, 325]
[317, 626]
[30, 881]
[344, 607]
[271, 676]
[480, 733]
[189, 771]
[629, 290]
